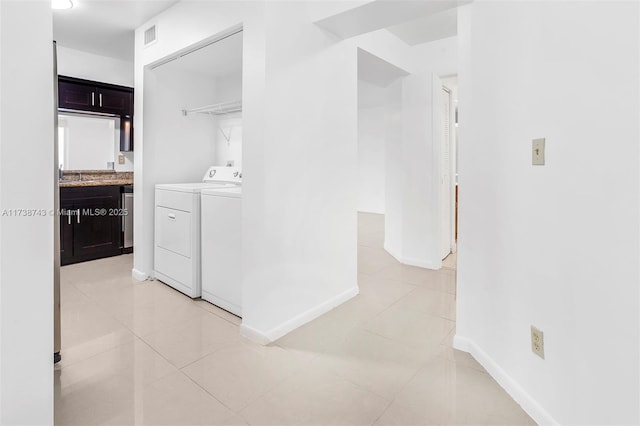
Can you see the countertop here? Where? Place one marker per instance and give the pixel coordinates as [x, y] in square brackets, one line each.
[84, 178]
[83, 183]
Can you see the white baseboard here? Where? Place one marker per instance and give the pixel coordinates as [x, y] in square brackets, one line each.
[526, 401]
[421, 263]
[266, 337]
[139, 275]
[254, 335]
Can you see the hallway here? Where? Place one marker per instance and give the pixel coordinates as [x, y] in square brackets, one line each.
[142, 353]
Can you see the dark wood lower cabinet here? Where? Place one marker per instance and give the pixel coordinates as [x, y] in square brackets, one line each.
[90, 223]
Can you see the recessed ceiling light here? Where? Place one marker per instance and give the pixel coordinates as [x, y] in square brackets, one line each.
[61, 4]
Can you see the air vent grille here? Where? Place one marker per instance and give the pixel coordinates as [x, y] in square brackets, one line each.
[150, 35]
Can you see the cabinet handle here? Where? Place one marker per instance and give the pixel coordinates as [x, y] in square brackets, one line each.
[78, 215]
[68, 217]
[172, 216]
[100, 98]
[93, 98]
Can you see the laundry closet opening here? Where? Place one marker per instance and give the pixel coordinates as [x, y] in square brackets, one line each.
[193, 159]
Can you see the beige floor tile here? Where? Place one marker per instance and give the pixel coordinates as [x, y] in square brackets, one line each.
[451, 261]
[70, 295]
[373, 362]
[421, 331]
[175, 400]
[460, 358]
[189, 340]
[137, 295]
[429, 301]
[148, 319]
[371, 222]
[371, 239]
[239, 374]
[117, 267]
[382, 289]
[86, 330]
[316, 397]
[440, 280]
[318, 336]
[354, 312]
[374, 259]
[135, 360]
[94, 402]
[444, 392]
[210, 307]
[408, 274]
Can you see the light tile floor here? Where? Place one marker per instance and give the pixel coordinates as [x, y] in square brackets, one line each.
[142, 353]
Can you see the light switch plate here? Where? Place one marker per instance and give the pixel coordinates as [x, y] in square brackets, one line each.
[121, 159]
[537, 152]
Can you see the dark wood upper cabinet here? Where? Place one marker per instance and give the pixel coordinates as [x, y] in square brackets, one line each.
[92, 96]
[75, 96]
[115, 101]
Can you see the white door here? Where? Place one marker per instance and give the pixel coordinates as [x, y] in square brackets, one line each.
[445, 172]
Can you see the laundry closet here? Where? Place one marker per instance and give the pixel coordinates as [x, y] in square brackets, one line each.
[193, 122]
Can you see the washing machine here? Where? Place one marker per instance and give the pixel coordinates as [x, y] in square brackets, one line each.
[221, 216]
[177, 228]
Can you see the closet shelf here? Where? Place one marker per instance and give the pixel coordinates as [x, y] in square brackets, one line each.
[216, 109]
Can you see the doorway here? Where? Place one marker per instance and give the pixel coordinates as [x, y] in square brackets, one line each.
[448, 103]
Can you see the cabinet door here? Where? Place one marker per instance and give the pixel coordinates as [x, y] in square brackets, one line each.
[97, 229]
[115, 101]
[76, 96]
[66, 233]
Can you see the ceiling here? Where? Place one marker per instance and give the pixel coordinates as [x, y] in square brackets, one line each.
[427, 28]
[377, 71]
[105, 27]
[220, 59]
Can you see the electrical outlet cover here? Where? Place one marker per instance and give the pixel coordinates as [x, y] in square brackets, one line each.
[537, 342]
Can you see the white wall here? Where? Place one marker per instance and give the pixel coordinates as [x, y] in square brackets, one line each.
[372, 123]
[439, 57]
[26, 243]
[304, 259]
[228, 140]
[229, 89]
[555, 246]
[89, 66]
[412, 227]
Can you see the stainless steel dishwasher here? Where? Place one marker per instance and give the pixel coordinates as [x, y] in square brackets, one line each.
[127, 219]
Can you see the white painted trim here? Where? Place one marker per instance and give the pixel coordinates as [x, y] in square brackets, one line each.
[139, 275]
[421, 263]
[513, 388]
[264, 338]
[254, 335]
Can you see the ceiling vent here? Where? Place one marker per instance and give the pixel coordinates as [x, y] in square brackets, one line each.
[150, 36]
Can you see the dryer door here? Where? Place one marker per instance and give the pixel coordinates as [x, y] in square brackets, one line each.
[173, 230]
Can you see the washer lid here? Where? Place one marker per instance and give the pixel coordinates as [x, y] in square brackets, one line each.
[230, 192]
[192, 187]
